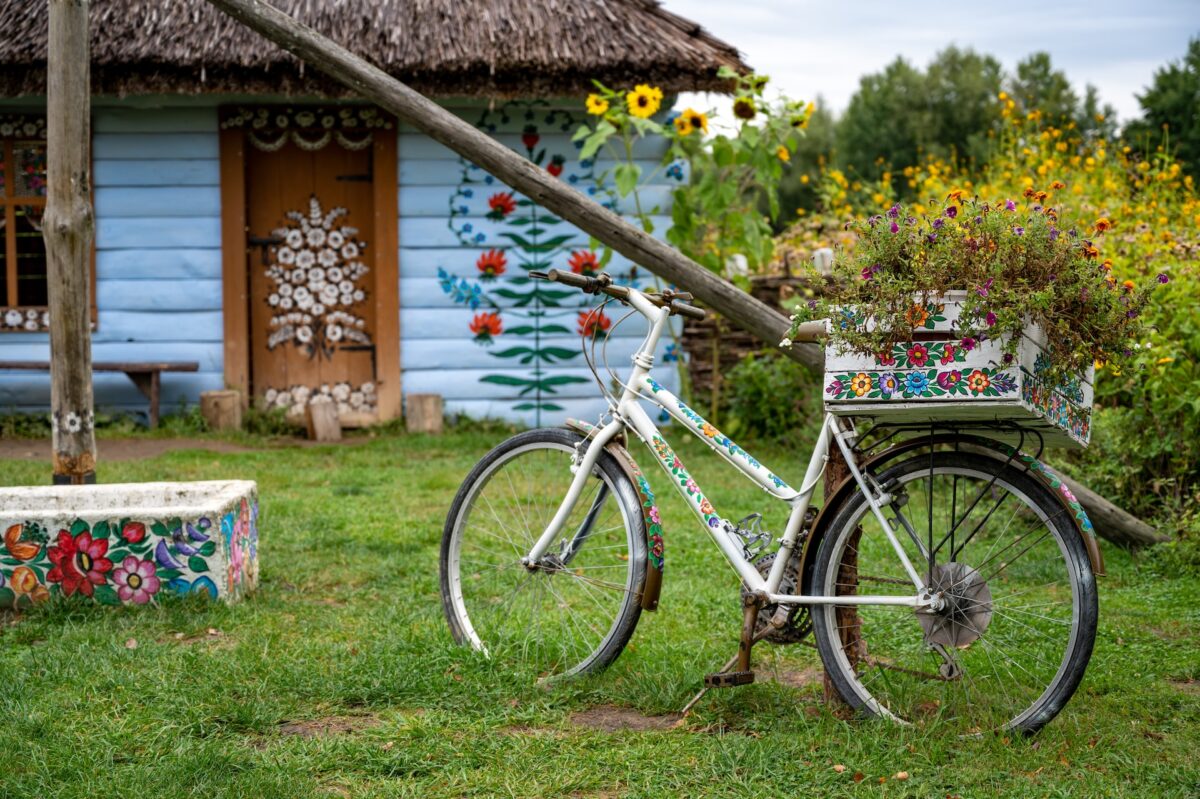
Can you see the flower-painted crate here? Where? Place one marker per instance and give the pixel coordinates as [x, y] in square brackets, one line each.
[128, 543]
[942, 377]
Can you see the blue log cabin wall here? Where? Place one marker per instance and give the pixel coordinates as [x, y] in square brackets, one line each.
[473, 327]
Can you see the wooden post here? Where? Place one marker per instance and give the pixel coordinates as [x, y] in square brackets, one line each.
[67, 228]
[423, 413]
[408, 105]
[321, 420]
[222, 410]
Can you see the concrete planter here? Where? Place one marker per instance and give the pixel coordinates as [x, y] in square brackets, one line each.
[128, 543]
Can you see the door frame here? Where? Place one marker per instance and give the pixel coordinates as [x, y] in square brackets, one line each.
[235, 277]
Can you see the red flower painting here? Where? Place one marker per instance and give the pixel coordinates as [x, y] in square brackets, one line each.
[491, 264]
[593, 323]
[555, 167]
[501, 205]
[485, 326]
[79, 563]
[584, 262]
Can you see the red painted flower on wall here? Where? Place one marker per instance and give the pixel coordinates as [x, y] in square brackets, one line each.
[555, 167]
[79, 563]
[529, 137]
[502, 204]
[593, 323]
[485, 326]
[584, 262]
[491, 264]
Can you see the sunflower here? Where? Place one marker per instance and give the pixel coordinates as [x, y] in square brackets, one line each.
[596, 105]
[782, 154]
[744, 108]
[644, 100]
[682, 125]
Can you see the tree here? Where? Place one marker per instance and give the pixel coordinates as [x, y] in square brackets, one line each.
[961, 88]
[1171, 104]
[1037, 85]
[814, 152]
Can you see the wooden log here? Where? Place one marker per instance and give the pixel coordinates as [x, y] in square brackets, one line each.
[423, 413]
[222, 410]
[321, 419]
[1111, 523]
[67, 228]
[374, 84]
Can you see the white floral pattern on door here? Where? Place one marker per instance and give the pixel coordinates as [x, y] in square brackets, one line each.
[316, 271]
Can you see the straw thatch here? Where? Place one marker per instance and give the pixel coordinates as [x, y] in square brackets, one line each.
[470, 48]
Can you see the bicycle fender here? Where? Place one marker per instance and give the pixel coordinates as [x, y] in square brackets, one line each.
[980, 444]
[656, 548]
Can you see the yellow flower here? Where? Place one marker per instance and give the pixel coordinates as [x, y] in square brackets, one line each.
[1103, 224]
[682, 126]
[1161, 361]
[860, 384]
[804, 179]
[644, 100]
[743, 108]
[596, 105]
[690, 120]
[783, 154]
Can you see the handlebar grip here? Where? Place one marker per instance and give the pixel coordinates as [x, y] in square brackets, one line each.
[571, 279]
[683, 309]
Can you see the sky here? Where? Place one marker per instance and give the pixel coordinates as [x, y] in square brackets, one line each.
[810, 48]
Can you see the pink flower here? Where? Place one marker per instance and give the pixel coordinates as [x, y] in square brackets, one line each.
[948, 354]
[968, 343]
[654, 514]
[990, 318]
[135, 580]
[895, 228]
[918, 355]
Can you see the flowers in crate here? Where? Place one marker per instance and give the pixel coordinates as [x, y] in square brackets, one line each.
[1013, 268]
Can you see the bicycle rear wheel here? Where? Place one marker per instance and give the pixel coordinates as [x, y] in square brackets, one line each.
[577, 609]
[1014, 638]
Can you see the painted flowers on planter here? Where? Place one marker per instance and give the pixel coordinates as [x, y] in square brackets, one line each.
[111, 562]
[982, 382]
[316, 270]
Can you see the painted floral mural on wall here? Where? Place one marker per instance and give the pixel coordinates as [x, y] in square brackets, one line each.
[504, 236]
[130, 561]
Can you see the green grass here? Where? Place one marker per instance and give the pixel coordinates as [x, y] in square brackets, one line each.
[347, 631]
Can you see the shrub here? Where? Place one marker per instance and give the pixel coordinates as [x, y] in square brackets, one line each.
[774, 397]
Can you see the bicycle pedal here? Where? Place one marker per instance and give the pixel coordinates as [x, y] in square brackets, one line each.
[728, 679]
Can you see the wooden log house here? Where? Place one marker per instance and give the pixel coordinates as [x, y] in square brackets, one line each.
[302, 246]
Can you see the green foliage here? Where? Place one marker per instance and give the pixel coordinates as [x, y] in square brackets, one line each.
[772, 397]
[735, 173]
[1172, 104]
[1038, 86]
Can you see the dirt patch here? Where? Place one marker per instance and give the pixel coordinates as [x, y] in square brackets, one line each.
[1187, 686]
[803, 678]
[329, 725]
[609, 718]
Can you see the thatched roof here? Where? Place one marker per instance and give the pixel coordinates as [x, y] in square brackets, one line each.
[471, 48]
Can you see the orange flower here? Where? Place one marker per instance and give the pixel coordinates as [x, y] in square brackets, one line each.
[1107, 265]
[1090, 252]
[977, 381]
[1058, 184]
[485, 326]
[594, 323]
[584, 262]
[1128, 285]
[25, 582]
[491, 264]
[955, 196]
[501, 204]
[1041, 196]
[21, 550]
[1103, 224]
[1029, 192]
[860, 384]
[916, 316]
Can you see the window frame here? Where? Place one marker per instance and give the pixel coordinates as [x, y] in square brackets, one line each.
[9, 201]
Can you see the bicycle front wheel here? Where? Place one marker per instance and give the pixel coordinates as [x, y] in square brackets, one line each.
[1011, 643]
[574, 611]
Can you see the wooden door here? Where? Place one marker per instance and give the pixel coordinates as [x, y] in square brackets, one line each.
[313, 269]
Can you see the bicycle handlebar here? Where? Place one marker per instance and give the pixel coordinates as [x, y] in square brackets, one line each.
[674, 301]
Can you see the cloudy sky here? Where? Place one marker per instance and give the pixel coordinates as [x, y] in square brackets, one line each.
[823, 47]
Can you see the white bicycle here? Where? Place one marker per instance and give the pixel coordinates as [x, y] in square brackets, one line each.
[944, 578]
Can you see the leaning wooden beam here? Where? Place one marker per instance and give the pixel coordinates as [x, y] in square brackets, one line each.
[1111, 523]
[67, 228]
[439, 124]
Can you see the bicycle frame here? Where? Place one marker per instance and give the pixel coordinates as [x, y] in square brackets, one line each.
[627, 413]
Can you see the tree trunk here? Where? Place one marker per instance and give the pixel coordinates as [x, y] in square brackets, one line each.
[737, 306]
[67, 228]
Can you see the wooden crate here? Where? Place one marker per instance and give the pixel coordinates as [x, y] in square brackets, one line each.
[936, 379]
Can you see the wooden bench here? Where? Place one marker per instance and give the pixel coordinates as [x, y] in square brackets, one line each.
[145, 375]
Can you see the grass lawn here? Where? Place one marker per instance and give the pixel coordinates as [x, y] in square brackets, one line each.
[339, 676]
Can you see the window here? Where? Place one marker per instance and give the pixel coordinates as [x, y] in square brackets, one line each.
[23, 290]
